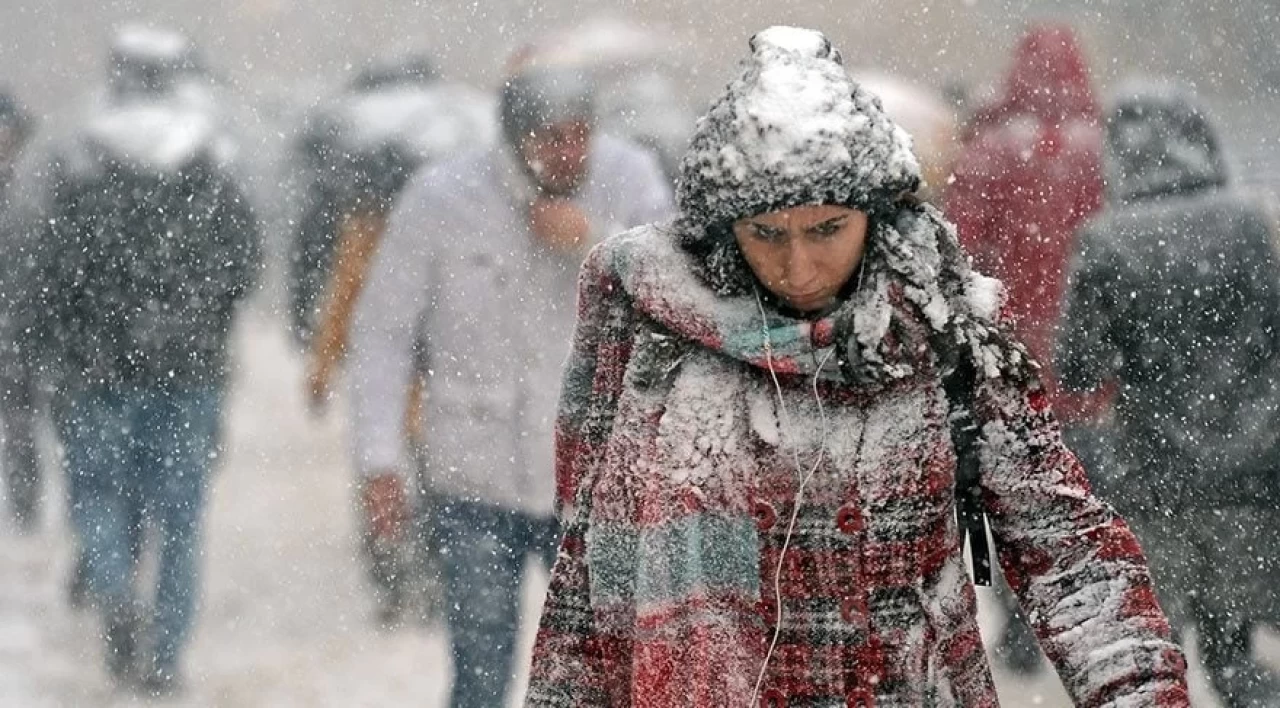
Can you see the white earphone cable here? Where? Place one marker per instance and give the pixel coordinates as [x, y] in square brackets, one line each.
[804, 481]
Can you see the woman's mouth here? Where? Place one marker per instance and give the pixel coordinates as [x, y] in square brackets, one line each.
[800, 300]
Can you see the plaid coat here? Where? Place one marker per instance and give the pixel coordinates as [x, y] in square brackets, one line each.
[682, 474]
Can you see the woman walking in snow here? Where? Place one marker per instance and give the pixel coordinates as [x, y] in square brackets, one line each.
[755, 463]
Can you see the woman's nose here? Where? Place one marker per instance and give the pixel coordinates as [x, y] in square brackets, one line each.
[801, 268]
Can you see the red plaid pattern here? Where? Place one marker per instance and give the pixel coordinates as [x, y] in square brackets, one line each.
[667, 589]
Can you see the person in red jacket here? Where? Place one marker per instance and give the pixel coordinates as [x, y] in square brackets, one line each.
[1029, 174]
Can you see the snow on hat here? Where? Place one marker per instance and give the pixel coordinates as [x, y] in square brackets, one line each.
[538, 97]
[793, 129]
[158, 46]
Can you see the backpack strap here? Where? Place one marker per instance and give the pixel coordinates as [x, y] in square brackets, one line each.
[960, 384]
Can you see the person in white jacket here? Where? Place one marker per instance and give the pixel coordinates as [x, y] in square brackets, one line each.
[479, 266]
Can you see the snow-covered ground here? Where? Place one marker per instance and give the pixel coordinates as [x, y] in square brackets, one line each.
[285, 620]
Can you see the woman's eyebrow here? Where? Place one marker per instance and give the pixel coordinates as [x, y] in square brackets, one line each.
[829, 222]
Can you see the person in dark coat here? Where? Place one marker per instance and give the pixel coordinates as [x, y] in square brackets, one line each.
[1174, 294]
[17, 381]
[144, 245]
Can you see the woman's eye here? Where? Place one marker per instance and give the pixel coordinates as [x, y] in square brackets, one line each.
[825, 230]
[766, 233]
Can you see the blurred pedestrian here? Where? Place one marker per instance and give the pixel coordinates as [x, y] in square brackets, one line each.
[395, 118]
[479, 264]
[754, 451]
[1029, 173]
[636, 73]
[147, 246]
[359, 145]
[18, 383]
[1175, 294]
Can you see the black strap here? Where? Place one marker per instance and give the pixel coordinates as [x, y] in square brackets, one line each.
[960, 385]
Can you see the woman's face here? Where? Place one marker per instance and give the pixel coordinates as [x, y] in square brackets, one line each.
[804, 255]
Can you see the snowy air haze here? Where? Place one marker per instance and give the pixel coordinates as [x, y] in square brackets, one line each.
[278, 396]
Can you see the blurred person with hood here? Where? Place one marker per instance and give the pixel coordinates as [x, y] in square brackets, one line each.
[395, 118]
[635, 73]
[1174, 293]
[358, 149]
[478, 265]
[144, 246]
[1027, 176]
[755, 457]
[18, 382]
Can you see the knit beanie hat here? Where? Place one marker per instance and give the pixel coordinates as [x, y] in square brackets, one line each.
[793, 129]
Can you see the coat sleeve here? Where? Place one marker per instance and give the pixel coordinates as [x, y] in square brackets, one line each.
[38, 241]
[570, 659]
[1088, 344]
[358, 236]
[386, 326]
[592, 379]
[1075, 566]
[239, 249]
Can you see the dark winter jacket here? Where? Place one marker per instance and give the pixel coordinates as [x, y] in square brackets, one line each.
[359, 152]
[1026, 179]
[733, 475]
[146, 246]
[1175, 293]
[14, 315]
[15, 130]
